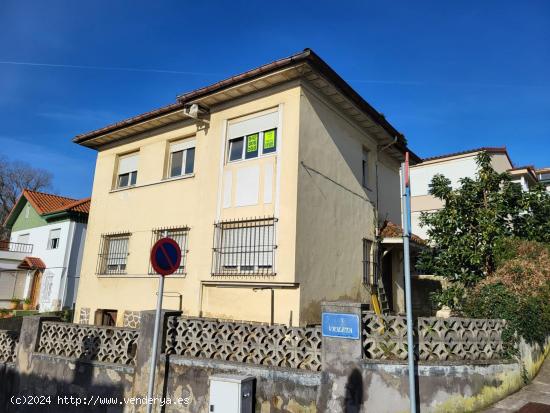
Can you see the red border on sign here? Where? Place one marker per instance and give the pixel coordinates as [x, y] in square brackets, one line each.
[154, 250]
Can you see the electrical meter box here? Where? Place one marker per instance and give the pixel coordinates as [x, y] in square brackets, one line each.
[231, 394]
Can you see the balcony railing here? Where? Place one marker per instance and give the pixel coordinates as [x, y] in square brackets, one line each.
[16, 247]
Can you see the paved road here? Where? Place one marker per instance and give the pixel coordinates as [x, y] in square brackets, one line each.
[533, 398]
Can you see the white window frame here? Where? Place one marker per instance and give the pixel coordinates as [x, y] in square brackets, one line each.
[243, 129]
[179, 146]
[260, 149]
[50, 239]
[125, 163]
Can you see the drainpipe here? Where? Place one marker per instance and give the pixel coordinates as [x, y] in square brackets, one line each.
[377, 223]
[272, 306]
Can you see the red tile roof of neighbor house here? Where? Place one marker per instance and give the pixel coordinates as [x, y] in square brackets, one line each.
[45, 203]
[391, 230]
[32, 263]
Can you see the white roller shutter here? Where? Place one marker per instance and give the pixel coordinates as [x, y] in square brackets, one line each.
[128, 164]
[253, 125]
[182, 145]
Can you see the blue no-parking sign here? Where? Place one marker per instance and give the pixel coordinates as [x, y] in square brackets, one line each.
[165, 256]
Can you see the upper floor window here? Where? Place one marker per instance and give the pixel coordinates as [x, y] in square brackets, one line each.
[113, 254]
[244, 247]
[53, 239]
[127, 170]
[178, 234]
[365, 169]
[253, 137]
[182, 158]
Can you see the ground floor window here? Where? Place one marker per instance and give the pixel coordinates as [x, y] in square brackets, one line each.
[113, 253]
[244, 247]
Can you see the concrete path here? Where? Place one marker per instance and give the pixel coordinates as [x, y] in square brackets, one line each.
[535, 397]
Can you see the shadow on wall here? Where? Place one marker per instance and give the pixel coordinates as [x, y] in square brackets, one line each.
[59, 388]
[354, 392]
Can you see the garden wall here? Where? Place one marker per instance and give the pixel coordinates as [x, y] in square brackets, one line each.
[296, 369]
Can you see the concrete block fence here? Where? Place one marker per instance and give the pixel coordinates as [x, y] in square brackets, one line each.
[296, 369]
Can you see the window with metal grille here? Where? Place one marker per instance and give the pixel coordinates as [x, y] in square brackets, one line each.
[113, 253]
[368, 262]
[178, 234]
[244, 247]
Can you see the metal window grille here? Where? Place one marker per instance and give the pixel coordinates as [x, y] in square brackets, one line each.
[370, 263]
[113, 253]
[244, 247]
[178, 234]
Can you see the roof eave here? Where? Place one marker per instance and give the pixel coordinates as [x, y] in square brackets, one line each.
[307, 56]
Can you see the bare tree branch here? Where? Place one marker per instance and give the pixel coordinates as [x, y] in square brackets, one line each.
[14, 178]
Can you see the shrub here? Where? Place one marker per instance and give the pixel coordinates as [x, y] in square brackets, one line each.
[527, 315]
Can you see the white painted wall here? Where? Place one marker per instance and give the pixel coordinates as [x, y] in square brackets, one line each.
[62, 263]
[421, 176]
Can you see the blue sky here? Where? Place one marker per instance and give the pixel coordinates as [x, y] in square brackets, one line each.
[449, 75]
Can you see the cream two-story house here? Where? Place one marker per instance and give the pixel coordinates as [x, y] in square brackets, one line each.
[275, 183]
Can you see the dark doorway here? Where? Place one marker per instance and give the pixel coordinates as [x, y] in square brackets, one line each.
[387, 279]
[105, 317]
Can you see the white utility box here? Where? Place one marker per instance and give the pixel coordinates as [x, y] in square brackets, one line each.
[231, 394]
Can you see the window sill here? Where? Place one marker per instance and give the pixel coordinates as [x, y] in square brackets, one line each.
[243, 274]
[145, 276]
[177, 178]
[257, 158]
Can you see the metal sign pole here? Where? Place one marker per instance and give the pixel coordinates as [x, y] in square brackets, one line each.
[406, 219]
[153, 367]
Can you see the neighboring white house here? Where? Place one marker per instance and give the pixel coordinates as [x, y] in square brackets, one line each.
[543, 175]
[48, 273]
[456, 166]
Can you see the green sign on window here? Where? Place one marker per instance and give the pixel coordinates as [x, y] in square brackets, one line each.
[269, 139]
[252, 143]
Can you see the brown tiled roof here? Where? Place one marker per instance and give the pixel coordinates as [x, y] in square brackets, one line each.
[391, 230]
[496, 149]
[32, 263]
[307, 55]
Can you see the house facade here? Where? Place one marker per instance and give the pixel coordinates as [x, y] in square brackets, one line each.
[456, 166]
[274, 182]
[543, 175]
[48, 271]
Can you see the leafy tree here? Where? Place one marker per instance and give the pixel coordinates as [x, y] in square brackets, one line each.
[466, 231]
[14, 177]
